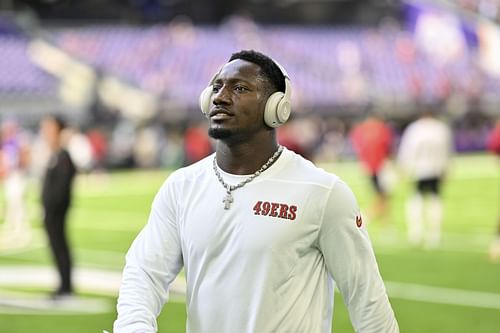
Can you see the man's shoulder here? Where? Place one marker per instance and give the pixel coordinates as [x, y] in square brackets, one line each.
[304, 170]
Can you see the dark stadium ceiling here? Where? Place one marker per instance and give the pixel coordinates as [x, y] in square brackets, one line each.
[209, 11]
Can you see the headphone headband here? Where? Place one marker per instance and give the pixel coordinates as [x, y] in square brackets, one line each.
[281, 68]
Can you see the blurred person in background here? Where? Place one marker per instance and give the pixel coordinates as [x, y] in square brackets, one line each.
[172, 153]
[259, 229]
[424, 154]
[99, 144]
[289, 137]
[14, 169]
[79, 148]
[56, 199]
[372, 140]
[333, 140]
[150, 140]
[301, 135]
[121, 144]
[197, 144]
[494, 147]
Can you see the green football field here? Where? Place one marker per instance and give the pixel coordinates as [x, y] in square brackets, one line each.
[455, 288]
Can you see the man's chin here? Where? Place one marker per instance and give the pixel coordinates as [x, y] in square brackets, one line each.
[220, 133]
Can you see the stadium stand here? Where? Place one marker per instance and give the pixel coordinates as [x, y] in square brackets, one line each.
[146, 70]
[25, 89]
[157, 61]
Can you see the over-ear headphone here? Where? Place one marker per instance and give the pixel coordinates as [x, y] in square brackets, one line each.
[278, 105]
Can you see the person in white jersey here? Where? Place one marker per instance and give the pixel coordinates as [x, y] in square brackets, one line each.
[261, 232]
[424, 153]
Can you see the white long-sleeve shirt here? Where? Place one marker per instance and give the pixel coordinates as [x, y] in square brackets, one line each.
[265, 265]
[425, 148]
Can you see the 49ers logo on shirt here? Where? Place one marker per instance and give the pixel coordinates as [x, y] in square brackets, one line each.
[280, 210]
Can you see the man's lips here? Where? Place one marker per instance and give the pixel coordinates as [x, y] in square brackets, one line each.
[220, 114]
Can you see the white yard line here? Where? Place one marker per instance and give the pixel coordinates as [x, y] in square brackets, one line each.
[95, 281]
[24, 303]
[395, 248]
[105, 282]
[439, 295]
[382, 247]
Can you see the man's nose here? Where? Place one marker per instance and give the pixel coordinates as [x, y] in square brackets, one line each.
[222, 96]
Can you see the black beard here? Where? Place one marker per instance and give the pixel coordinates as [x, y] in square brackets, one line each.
[219, 133]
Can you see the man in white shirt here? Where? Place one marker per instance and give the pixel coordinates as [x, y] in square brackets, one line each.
[424, 153]
[261, 232]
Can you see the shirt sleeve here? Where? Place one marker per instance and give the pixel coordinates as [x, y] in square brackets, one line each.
[350, 260]
[152, 263]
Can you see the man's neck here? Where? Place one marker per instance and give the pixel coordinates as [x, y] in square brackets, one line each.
[244, 158]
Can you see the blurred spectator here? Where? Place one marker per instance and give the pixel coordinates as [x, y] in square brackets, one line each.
[56, 200]
[40, 149]
[14, 166]
[148, 145]
[446, 46]
[471, 131]
[424, 153]
[333, 140]
[287, 137]
[197, 144]
[121, 144]
[98, 143]
[80, 149]
[494, 147]
[302, 135]
[353, 79]
[372, 141]
[172, 154]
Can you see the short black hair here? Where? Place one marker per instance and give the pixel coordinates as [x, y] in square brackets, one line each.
[268, 66]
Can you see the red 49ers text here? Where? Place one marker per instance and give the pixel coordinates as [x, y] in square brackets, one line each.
[280, 210]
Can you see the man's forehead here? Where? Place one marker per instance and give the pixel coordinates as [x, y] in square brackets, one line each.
[240, 68]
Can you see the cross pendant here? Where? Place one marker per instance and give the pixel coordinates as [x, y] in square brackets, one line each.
[227, 200]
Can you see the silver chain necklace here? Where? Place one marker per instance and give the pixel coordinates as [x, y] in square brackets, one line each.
[228, 199]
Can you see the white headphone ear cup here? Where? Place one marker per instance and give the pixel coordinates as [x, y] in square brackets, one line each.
[205, 99]
[283, 111]
[271, 117]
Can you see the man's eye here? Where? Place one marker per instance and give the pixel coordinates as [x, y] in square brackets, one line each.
[215, 89]
[240, 88]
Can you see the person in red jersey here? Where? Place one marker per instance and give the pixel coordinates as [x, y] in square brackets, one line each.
[494, 147]
[372, 141]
